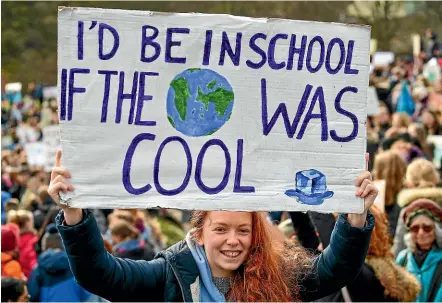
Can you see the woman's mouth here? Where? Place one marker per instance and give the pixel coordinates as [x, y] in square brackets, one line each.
[231, 253]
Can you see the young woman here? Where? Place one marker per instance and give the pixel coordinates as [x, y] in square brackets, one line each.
[128, 242]
[227, 256]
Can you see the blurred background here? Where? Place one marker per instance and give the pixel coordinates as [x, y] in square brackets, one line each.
[29, 29]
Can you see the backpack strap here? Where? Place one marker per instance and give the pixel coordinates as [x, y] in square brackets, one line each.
[436, 282]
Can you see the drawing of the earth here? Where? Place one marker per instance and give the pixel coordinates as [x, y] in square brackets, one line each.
[199, 102]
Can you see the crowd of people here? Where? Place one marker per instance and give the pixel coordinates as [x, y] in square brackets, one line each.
[404, 254]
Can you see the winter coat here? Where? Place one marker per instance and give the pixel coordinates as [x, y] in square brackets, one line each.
[28, 256]
[11, 267]
[135, 249]
[425, 273]
[392, 212]
[380, 280]
[52, 280]
[168, 277]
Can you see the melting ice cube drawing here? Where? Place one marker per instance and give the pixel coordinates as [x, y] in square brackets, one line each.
[311, 188]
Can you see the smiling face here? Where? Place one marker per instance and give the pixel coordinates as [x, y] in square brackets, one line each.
[226, 237]
[422, 232]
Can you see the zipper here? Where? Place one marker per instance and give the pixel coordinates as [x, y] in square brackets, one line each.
[178, 279]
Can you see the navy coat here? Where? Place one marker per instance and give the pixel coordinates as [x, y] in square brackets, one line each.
[168, 277]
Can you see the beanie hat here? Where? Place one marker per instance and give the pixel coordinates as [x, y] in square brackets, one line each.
[52, 238]
[10, 234]
[425, 207]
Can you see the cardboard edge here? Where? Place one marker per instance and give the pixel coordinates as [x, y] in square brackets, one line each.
[62, 9]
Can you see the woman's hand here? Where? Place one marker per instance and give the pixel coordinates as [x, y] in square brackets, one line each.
[366, 190]
[59, 182]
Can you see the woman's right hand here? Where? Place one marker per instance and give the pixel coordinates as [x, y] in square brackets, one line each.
[59, 183]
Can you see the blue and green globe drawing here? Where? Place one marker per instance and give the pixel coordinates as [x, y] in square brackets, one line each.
[199, 102]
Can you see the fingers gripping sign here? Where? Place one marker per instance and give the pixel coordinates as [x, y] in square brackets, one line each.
[60, 185]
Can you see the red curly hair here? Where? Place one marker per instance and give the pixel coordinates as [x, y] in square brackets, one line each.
[380, 241]
[272, 271]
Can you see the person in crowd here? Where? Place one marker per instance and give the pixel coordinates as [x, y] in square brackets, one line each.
[431, 123]
[390, 167]
[5, 198]
[137, 220]
[44, 205]
[417, 132]
[14, 290]
[227, 256]
[382, 121]
[128, 242]
[27, 240]
[400, 121]
[52, 279]
[432, 49]
[423, 255]
[421, 180]
[404, 145]
[10, 265]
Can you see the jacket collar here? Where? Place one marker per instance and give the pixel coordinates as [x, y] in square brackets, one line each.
[183, 266]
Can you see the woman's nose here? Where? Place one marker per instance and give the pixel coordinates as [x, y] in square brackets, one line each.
[232, 239]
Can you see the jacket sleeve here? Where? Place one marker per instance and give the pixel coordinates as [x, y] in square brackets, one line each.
[340, 263]
[101, 273]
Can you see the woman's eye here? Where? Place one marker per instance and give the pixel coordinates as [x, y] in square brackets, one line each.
[219, 229]
[244, 231]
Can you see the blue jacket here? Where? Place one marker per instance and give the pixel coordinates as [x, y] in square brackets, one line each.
[425, 273]
[52, 280]
[168, 277]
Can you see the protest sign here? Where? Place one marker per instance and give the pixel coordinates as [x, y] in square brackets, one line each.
[198, 111]
[416, 41]
[51, 139]
[373, 106]
[13, 91]
[50, 92]
[35, 153]
[380, 198]
[373, 46]
[383, 58]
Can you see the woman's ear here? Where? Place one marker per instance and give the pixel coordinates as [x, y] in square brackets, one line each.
[200, 241]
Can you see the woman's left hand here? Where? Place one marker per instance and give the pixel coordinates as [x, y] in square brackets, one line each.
[368, 191]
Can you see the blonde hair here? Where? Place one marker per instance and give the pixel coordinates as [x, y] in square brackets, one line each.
[390, 167]
[21, 217]
[404, 119]
[421, 173]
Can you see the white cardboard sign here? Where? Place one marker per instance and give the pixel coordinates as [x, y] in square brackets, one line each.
[51, 139]
[383, 58]
[35, 153]
[198, 111]
[373, 106]
[50, 92]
